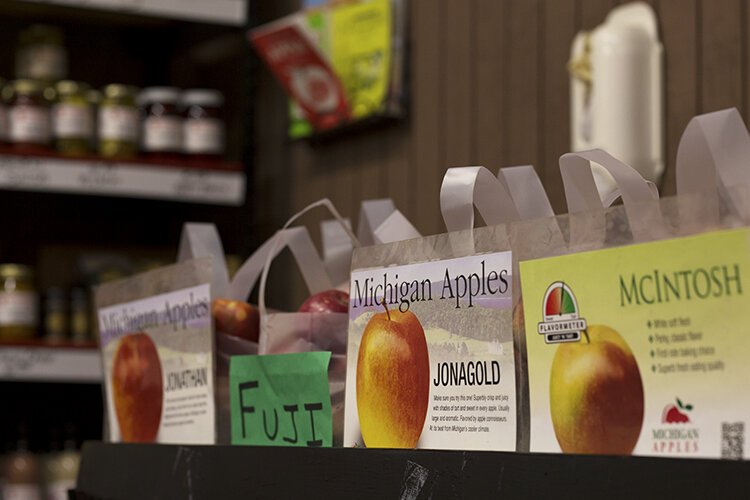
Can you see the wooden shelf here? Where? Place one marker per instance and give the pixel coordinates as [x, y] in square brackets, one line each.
[218, 183]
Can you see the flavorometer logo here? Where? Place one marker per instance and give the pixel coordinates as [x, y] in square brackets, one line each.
[562, 322]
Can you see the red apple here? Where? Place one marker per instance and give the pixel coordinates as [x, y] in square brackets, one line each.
[236, 318]
[333, 301]
[137, 388]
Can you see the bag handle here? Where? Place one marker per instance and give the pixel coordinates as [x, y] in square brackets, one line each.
[309, 261]
[307, 256]
[203, 240]
[582, 196]
[464, 188]
[526, 191]
[337, 250]
[616, 194]
[396, 227]
[300, 244]
[712, 163]
[379, 222]
[372, 213]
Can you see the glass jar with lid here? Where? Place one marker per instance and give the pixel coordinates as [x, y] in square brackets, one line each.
[203, 128]
[162, 122]
[28, 104]
[80, 312]
[21, 468]
[61, 465]
[72, 119]
[94, 99]
[55, 322]
[41, 54]
[19, 302]
[3, 115]
[117, 122]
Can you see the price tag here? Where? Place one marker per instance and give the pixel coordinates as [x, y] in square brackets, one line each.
[100, 176]
[26, 173]
[17, 362]
[281, 400]
[196, 183]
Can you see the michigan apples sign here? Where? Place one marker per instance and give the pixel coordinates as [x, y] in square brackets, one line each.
[612, 335]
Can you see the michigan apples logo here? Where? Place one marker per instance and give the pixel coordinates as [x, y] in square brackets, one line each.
[562, 322]
[678, 434]
[676, 414]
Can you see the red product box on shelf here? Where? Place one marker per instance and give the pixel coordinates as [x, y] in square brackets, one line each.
[303, 71]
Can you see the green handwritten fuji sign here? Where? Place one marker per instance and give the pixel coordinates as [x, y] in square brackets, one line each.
[281, 400]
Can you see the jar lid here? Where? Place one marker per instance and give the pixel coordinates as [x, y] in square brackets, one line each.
[27, 87]
[161, 95]
[202, 97]
[70, 87]
[118, 90]
[93, 96]
[17, 271]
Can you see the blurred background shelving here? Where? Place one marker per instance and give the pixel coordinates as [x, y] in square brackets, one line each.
[222, 12]
[78, 221]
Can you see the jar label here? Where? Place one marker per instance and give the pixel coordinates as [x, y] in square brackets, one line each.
[18, 309]
[162, 133]
[42, 62]
[21, 492]
[29, 124]
[72, 121]
[118, 123]
[204, 136]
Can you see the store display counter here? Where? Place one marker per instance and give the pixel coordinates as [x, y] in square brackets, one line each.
[160, 471]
